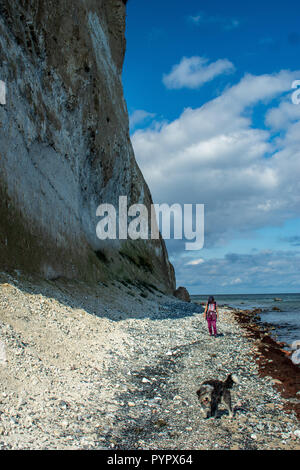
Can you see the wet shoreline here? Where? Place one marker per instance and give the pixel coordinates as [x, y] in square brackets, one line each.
[272, 357]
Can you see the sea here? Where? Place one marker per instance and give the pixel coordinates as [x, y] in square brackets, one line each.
[286, 321]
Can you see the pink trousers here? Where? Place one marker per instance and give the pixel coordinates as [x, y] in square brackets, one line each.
[212, 325]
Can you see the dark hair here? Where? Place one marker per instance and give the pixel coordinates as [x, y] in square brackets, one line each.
[211, 300]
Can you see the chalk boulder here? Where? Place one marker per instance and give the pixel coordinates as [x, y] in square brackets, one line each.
[182, 294]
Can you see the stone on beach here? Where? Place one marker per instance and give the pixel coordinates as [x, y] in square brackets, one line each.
[295, 357]
[295, 344]
[182, 294]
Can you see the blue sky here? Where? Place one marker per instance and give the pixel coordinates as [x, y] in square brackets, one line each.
[208, 90]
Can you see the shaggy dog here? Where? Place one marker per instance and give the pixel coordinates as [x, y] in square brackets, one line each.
[213, 392]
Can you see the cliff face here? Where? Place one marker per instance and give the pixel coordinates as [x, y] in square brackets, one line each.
[64, 143]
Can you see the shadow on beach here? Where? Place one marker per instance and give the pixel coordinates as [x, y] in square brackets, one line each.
[114, 301]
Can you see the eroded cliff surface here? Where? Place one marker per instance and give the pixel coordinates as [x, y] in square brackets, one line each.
[64, 143]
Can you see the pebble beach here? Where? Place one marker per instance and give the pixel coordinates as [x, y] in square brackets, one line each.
[117, 366]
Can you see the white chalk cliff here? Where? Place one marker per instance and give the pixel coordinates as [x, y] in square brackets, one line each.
[65, 145]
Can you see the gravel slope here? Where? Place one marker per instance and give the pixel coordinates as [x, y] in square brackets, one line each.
[118, 367]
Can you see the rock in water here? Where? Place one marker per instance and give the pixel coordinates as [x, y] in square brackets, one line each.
[182, 294]
[65, 146]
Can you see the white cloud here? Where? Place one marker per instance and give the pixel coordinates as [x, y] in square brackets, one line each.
[193, 72]
[196, 19]
[247, 177]
[259, 272]
[285, 114]
[139, 116]
[195, 262]
[225, 22]
[232, 24]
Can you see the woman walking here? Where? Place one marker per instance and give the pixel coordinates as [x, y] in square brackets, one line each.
[211, 314]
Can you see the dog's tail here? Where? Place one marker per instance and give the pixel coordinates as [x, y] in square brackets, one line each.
[231, 379]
